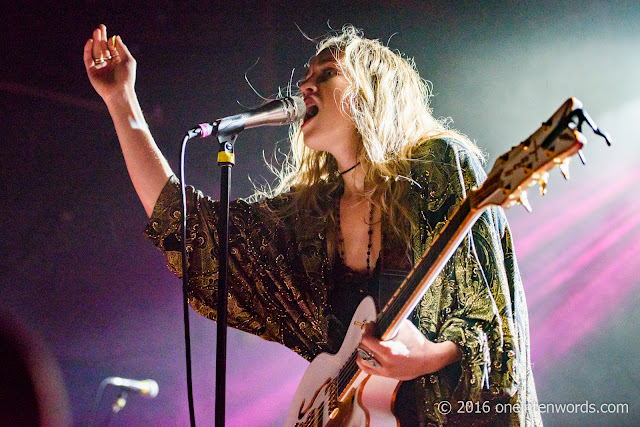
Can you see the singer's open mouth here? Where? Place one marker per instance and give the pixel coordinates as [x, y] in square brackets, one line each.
[312, 111]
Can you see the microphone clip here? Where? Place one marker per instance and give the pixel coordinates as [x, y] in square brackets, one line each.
[226, 140]
[226, 156]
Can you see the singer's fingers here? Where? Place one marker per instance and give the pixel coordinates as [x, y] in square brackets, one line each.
[103, 31]
[100, 50]
[122, 48]
[119, 51]
[104, 41]
[111, 45]
[87, 54]
[107, 45]
[97, 35]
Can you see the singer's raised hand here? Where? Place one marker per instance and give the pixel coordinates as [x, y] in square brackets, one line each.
[110, 66]
[112, 72]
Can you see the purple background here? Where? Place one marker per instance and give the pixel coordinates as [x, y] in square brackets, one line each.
[78, 273]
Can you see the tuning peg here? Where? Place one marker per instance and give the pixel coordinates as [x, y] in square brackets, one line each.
[582, 158]
[524, 201]
[564, 168]
[543, 180]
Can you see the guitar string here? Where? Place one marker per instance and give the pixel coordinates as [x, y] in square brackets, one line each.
[313, 419]
[349, 369]
[396, 304]
[346, 374]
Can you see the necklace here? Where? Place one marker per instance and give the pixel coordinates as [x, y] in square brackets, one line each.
[350, 169]
[341, 240]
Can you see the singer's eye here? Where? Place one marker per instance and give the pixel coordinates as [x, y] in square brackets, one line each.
[320, 77]
[327, 73]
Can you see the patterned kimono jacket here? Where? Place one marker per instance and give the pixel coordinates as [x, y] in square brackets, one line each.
[279, 286]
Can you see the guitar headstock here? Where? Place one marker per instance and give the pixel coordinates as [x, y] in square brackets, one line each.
[553, 144]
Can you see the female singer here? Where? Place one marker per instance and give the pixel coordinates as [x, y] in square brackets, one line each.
[370, 178]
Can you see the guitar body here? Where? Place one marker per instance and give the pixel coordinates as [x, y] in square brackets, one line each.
[366, 401]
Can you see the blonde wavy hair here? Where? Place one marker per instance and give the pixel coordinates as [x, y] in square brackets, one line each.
[389, 105]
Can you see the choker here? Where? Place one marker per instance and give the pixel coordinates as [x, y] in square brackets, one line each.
[350, 169]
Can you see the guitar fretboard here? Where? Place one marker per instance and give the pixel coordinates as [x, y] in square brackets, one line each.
[421, 272]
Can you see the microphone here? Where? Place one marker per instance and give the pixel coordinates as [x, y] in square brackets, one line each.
[282, 111]
[147, 388]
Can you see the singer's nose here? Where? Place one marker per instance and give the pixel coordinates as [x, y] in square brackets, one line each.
[307, 85]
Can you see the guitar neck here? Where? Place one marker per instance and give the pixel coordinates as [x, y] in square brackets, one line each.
[416, 284]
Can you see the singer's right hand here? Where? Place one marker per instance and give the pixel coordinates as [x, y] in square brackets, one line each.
[109, 77]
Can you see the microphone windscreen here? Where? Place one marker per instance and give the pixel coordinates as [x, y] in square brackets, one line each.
[151, 389]
[300, 108]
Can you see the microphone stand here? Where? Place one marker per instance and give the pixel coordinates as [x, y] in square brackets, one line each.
[286, 110]
[226, 160]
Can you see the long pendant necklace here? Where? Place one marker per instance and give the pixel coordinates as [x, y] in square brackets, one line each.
[341, 240]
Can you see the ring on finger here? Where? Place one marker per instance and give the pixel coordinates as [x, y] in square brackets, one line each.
[101, 60]
[368, 357]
